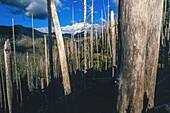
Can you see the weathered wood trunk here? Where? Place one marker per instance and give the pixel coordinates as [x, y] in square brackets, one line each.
[3, 88]
[155, 11]
[133, 34]
[92, 34]
[46, 61]
[9, 87]
[20, 89]
[85, 37]
[50, 44]
[97, 48]
[102, 42]
[15, 59]
[33, 45]
[28, 73]
[139, 35]
[61, 50]
[113, 41]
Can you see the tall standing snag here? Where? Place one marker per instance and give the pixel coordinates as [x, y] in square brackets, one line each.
[85, 38]
[61, 50]
[15, 59]
[113, 40]
[92, 34]
[46, 61]
[7, 51]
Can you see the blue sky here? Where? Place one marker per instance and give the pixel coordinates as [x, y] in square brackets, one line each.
[21, 10]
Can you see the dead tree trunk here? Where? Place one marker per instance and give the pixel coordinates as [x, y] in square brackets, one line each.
[102, 43]
[46, 61]
[155, 11]
[9, 87]
[33, 44]
[61, 50]
[113, 40]
[28, 74]
[3, 88]
[20, 87]
[139, 36]
[85, 38]
[92, 34]
[15, 60]
[97, 48]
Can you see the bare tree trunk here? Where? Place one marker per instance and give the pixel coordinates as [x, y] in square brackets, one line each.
[155, 11]
[15, 60]
[97, 48]
[28, 74]
[92, 34]
[20, 87]
[139, 36]
[133, 34]
[3, 88]
[61, 49]
[46, 61]
[102, 45]
[33, 43]
[78, 53]
[9, 87]
[113, 39]
[85, 38]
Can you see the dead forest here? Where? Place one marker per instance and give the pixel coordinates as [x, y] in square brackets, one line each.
[123, 66]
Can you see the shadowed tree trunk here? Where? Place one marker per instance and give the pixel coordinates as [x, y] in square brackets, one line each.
[20, 87]
[139, 34]
[3, 88]
[61, 50]
[9, 87]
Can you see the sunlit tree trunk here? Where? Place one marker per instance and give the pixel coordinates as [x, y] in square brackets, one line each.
[9, 87]
[15, 60]
[155, 11]
[92, 34]
[33, 45]
[46, 61]
[85, 38]
[113, 40]
[102, 43]
[61, 50]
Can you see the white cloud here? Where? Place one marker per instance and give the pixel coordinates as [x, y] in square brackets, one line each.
[37, 7]
[78, 28]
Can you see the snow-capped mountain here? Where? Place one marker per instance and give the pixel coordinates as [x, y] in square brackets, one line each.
[77, 27]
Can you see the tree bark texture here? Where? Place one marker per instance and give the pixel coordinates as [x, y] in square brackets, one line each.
[61, 50]
[9, 87]
[139, 33]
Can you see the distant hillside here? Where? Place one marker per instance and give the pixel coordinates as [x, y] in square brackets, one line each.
[20, 30]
